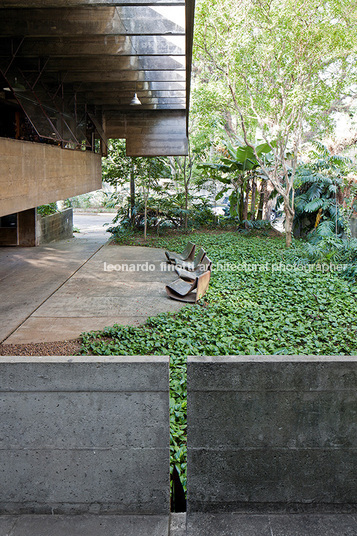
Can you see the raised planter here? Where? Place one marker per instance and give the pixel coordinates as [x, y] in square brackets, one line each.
[84, 435]
[272, 434]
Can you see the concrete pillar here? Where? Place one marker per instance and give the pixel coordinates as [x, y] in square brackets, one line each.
[26, 228]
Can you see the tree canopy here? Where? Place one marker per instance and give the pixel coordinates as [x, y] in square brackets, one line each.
[280, 68]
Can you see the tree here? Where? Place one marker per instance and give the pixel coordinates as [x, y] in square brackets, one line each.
[279, 66]
[239, 165]
[141, 173]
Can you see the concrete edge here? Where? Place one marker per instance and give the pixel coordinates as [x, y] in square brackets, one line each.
[271, 359]
[85, 359]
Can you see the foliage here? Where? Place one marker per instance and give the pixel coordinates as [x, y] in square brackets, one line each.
[260, 304]
[47, 210]
[236, 168]
[163, 196]
[280, 67]
[329, 250]
[324, 195]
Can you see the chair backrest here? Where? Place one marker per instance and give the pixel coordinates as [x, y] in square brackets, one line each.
[202, 284]
[188, 250]
[198, 258]
[205, 264]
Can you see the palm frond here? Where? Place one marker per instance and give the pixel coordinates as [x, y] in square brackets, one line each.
[314, 191]
[325, 229]
[314, 205]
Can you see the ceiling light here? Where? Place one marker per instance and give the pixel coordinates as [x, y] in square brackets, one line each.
[135, 101]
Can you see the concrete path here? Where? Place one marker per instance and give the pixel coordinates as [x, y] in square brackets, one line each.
[28, 276]
[56, 292]
[92, 224]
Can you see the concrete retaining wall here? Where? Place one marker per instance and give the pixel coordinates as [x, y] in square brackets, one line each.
[56, 226]
[272, 433]
[84, 435]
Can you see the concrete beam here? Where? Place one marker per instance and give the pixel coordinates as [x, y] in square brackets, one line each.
[112, 98]
[133, 85]
[125, 76]
[112, 45]
[104, 63]
[33, 174]
[151, 133]
[125, 20]
[78, 3]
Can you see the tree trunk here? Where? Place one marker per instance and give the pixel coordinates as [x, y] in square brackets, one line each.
[145, 215]
[289, 219]
[186, 192]
[132, 194]
[252, 206]
[246, 201]
[262, 193]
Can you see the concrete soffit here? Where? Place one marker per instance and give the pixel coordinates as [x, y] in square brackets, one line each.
[73, 63]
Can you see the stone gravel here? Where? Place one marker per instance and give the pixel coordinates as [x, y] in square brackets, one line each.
[42, 348]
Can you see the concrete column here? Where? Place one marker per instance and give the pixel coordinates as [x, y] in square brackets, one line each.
[26, 228]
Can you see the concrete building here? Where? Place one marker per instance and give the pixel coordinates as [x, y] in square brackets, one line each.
[74, 73]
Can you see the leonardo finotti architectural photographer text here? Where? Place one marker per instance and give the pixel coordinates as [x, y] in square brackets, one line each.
[229, 267]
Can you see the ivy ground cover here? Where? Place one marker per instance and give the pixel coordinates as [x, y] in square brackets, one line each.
[258, 302]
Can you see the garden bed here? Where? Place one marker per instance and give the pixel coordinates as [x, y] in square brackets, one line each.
[262, 304]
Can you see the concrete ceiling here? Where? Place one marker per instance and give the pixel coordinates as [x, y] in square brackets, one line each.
[71, 57]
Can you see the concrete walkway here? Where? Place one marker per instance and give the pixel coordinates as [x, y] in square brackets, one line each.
[55, 292]
[92, 224]
[272, 525]
[28, 276]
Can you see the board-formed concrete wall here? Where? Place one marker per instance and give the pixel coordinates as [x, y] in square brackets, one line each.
[58, 226]
[84, 434]
[34, 174]
[272, 433]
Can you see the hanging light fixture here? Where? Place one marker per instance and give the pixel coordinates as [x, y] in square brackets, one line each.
[135, 101]
[17, 87]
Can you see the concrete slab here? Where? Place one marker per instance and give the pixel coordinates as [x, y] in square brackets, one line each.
[88, 525]
[318, 525]
[7, 524]
[271, 525]
[117, 285]
[28, 276]
[49, 330]
[197, 525]
[229, 525]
